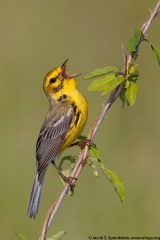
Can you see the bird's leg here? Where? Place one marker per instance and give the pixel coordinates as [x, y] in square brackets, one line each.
[82, 143]
[65, 179]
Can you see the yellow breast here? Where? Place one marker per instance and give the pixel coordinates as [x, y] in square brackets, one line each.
[80, 106]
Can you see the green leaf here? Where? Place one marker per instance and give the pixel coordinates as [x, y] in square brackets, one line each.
[131, 93]
[71, 159]
[113, 178]
[101, 71]
[127, 83]
[116, 183]
[81, 137]
[68, 170]
[123, 98]
[156, 52]
[133, 72]
[66, 166]
[94, 152]
[20, 236]
[58, 236]
[106, 83]
[132, 43]
[112, 85]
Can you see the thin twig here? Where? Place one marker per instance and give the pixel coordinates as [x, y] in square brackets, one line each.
[95, 126]
[144, 30]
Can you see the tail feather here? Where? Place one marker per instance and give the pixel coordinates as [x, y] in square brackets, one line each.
[35, 196]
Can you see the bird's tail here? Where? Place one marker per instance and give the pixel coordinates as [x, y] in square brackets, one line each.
[35, 195]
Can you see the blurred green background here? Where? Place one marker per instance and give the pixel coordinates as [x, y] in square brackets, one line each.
[37, 36]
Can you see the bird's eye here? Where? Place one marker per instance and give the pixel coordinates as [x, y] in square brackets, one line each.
[52, 80]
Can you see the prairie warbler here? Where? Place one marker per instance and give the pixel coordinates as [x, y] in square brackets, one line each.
[63, 124]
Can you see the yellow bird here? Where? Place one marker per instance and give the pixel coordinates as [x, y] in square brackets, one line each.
[63, 124]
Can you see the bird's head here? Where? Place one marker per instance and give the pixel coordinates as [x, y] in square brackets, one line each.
[55, 78]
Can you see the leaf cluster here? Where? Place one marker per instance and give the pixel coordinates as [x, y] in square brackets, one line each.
[108, 78]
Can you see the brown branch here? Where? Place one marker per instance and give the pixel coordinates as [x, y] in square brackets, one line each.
[95, 126]
[144, 30]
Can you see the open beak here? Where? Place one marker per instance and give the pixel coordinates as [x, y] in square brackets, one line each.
[65, 74]
[64, 65]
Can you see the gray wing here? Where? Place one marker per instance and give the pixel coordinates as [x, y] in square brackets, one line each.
[52, 136]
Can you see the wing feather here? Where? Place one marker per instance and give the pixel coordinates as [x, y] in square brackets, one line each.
[52, 136]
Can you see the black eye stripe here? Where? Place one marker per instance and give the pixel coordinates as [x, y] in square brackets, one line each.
[53, 80]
